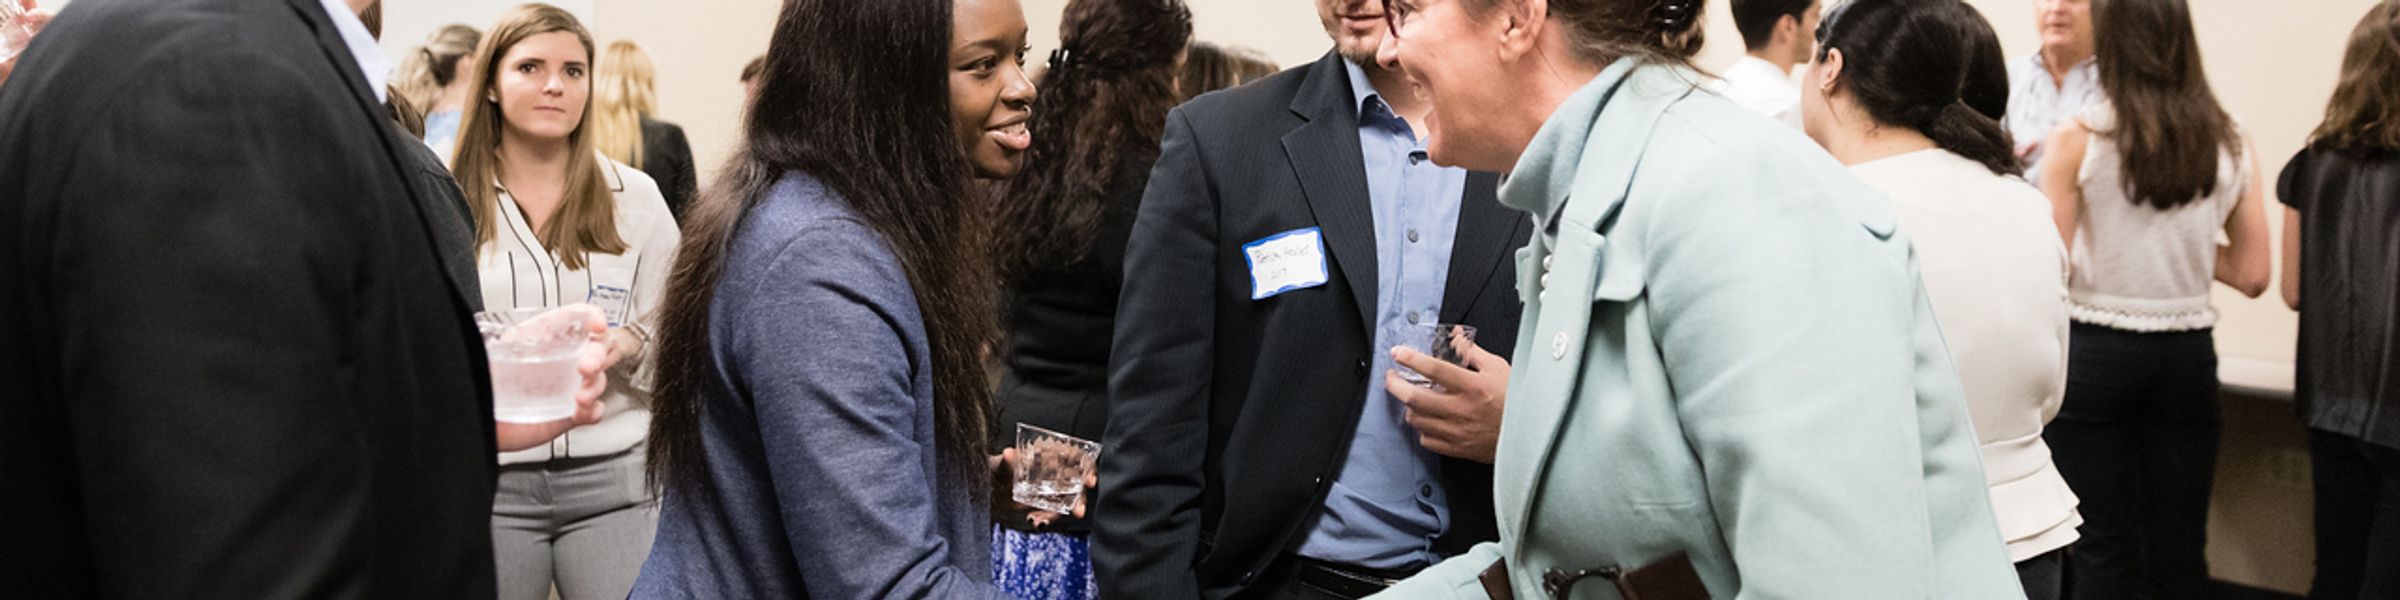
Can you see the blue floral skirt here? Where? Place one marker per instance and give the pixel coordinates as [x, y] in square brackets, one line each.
[1043, 566]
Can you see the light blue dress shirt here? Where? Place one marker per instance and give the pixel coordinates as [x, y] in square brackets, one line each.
[1387, 505]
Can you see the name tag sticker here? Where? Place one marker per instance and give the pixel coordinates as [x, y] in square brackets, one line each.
[1286, 261]
[612, 300]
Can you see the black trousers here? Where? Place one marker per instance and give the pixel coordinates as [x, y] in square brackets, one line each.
[2044, 575]
[2358, 517]
[2137, 439]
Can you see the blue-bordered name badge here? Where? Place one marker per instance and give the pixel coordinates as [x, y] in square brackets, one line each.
[1286, 261]
[613, 301]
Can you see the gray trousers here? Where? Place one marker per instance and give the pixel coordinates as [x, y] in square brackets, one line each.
[582, 523]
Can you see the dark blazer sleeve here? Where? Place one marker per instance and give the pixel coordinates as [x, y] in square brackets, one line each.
[203, 303]
[1147, 523]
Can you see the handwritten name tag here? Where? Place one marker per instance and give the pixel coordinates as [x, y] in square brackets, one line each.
[1286, 261]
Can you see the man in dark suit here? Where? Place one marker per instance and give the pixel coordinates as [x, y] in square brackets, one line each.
[235, 366]
[1253, 448]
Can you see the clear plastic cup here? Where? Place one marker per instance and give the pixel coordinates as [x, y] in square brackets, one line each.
[533, 353]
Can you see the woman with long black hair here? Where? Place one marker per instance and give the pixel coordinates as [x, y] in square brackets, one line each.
[1062, 232]
[821, 403]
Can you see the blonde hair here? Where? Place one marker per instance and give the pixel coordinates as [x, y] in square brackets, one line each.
[587, 216]
[623, 93]
[422, 74]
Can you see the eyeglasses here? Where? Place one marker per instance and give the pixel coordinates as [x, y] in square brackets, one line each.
[1396, 13]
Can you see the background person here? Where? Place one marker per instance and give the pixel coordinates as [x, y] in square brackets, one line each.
[2339, 244]
[557, 223]
[624, 125]
[2156, 193]
[1063, 223]
[2048, 87]
[1776, 35]
[1888, 95]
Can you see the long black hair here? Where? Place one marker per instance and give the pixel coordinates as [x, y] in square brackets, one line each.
[2169, 127]
[855, 94]
[1912, 64]
[1104, 107]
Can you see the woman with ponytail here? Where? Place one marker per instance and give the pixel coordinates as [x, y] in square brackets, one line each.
[1729, 382]
[1894, 93]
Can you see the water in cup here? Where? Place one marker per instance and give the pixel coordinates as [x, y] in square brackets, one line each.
[533, 353]
[1051, 467]
[1443, 342]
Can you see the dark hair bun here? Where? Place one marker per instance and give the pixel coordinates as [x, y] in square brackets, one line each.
[1675, 24]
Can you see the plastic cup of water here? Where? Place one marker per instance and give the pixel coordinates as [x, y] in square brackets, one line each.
[533, 353]
[1051, 467]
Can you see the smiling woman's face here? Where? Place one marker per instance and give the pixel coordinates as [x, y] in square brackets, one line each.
[990, 96]
[542, 85]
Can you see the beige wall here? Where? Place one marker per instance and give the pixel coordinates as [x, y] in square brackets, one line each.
[2273, 64]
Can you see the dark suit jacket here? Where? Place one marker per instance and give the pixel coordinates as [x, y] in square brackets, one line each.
[667, 159]
[1230, 416]
[234, 366]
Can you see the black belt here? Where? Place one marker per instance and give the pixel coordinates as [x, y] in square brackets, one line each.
[1346, 581]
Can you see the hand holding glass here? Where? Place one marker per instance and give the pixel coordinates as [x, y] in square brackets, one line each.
[533, 353]
[1442, 342]
[1051, 468]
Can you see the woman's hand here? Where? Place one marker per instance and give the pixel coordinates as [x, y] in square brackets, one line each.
[592, 364]
[1004, 475]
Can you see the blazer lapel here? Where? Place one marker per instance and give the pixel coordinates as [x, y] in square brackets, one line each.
[1486, 230]
[1333, 177]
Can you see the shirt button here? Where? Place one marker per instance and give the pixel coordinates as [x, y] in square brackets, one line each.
[1425, 490]
[1412, 235]
[1412, 317]
[1558, 346]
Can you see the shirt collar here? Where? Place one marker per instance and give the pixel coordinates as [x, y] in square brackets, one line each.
[1361, 89]
[371, 62]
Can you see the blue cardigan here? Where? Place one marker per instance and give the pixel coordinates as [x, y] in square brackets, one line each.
[818, 428]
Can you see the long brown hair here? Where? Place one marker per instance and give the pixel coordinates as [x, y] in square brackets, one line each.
[587, 210]
[855, 94]
[2168, 124]
[2365, 110]
[1104, 106]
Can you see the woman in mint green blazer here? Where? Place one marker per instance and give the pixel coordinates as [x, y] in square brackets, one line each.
[1725, 353]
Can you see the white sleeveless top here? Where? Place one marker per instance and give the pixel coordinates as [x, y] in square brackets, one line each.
[2138, 268]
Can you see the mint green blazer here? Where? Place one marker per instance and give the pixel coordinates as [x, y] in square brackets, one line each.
[1729, 355]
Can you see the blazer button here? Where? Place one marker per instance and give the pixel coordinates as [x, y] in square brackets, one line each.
[1558, 346]
[1249, 577]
